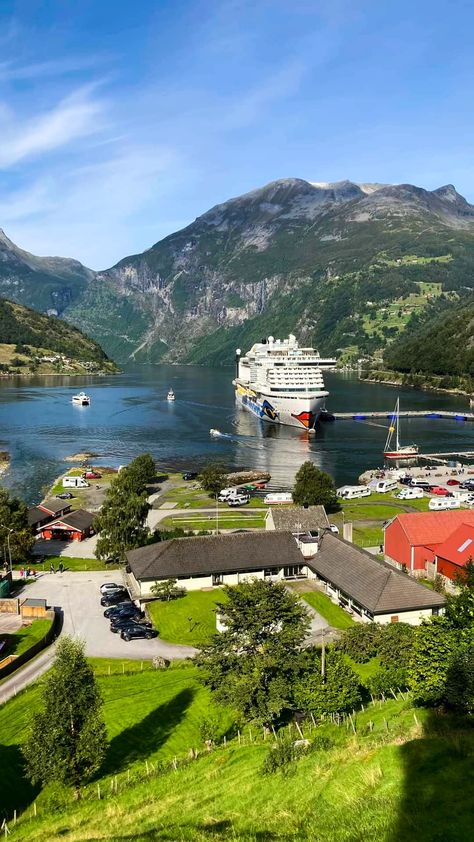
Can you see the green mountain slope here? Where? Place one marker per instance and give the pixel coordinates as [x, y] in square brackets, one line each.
[343, 266]
[27, 336]
[321, 261]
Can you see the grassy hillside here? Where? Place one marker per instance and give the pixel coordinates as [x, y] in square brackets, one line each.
[28, 336]
[397, 775]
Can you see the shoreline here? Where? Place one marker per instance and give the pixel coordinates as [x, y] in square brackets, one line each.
[426, 387]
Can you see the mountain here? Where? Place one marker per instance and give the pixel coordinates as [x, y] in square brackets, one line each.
[45, 283]
[33, 342]
[343, 266]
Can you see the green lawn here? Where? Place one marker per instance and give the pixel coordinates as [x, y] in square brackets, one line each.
[208, 522]
[336, 617]
[367, 536]
[404, 776]
[190, 619]
[70, 564]
[25, 637]
[364, 671]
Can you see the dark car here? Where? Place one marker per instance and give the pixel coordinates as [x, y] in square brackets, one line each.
[113, 559]
[189, 475]
[115, 598]
[65, 495]
[136, 631]
[405, 480]
[122, 609]
[117, 624]
[468, 483]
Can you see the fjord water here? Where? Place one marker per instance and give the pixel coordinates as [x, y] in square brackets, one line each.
[129, 414]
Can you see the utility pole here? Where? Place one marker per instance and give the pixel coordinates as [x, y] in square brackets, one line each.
[217, 514]
[323, 656]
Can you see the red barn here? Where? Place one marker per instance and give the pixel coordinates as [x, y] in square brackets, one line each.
[414, 539]
[453, 554]
[72, 527]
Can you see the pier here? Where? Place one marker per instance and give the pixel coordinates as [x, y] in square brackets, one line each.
[408, 413]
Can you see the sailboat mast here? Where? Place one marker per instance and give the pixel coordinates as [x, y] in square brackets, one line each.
[397, 413]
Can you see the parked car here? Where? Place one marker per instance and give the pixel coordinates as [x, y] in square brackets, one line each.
[468, 483]
[420, 483]
[440, 491]
[238, 500]
[119, 623]
[453, 482]
[405, 480]
[66, 495]
[92, 475]
[334, 529]
[114, 598]
[107, 587]
[410, 494]
[136, 631]
[113, 559]
[122, 609]
[189, 475]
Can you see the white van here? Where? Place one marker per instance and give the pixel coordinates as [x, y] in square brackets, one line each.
[75, 482]
[351, 492]
[410, 494]
[273, 499]
[226, 493]
[440, 503]
[382, 486]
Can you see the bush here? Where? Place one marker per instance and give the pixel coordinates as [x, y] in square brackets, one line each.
[387, 679]
[282, 755]
[361, 642]
[321, 743]
[396, 645]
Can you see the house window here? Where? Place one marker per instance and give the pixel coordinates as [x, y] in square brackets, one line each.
[269, 572]
[394, 619]
[217, 578]
[293, 571]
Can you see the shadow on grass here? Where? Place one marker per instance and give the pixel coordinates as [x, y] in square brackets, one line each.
[437, 801]
[213, 830]
[148, 735]
[16, 792]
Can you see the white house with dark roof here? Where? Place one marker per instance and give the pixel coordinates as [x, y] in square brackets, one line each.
[367, 587]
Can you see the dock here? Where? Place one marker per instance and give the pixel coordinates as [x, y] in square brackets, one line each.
[408, 413]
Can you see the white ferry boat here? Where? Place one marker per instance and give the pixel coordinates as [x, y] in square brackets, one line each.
[171, 395]
[81, 399]
[282, 383]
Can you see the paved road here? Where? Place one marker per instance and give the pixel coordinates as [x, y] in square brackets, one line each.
[78, 596]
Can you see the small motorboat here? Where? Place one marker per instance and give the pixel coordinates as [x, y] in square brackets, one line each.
[170, 396]
[81, 399]
[214, 433]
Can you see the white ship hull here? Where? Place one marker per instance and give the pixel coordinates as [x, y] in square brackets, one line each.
[302, 413]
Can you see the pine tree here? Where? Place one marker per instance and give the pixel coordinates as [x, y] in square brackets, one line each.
[67, 741]
[314, 487]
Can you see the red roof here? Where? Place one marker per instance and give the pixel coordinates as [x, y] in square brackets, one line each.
[433, 528]
[459, 547]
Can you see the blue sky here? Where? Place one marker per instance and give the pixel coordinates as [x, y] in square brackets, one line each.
[121, 122]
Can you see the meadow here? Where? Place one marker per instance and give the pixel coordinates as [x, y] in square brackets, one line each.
[392, 774]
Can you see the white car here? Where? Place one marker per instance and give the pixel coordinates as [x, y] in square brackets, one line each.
[109, 587]
[334, 528]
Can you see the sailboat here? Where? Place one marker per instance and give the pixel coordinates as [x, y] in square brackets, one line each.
[408, 451]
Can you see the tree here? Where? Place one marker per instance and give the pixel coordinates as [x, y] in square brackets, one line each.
[314, 487]
[434, 648]
[460, 607]
[121, 523]
[252, 665]
[67, 741]
[459, 691]
[15, 536]
[167, 590]
[335, 692]
[140, 473]
[213, 478]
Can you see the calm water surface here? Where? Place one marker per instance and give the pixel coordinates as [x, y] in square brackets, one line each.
[129, 414]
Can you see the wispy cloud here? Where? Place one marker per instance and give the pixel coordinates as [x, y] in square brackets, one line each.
[16, 71]
[76, 116]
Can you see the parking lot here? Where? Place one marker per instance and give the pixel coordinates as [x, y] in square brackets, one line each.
[78, 595]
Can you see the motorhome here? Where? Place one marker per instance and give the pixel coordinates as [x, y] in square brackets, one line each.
[437, 504]
[351, 492]
[383, 486]
[75, 482]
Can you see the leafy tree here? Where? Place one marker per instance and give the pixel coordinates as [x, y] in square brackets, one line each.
[121, 523]
[434, 648]
[213, 478]
[334, 692]
[395, 645]
[459, 691]
[140, 473]
[361, 642]
[167, 590]
[67, 740]
[14, 530]
[460, 607]
[314, 487]
[252, 665]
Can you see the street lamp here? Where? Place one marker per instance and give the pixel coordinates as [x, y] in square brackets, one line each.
[9, 531]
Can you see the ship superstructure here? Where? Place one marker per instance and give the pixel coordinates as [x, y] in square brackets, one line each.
[281, 382]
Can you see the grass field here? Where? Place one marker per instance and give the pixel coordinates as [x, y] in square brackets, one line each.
[208, 521]
[403, 776]
[69, 564]
[336, 617]
[190, 619]
[25, 637]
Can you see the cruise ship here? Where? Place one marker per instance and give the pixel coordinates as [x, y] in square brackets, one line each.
[282, 383]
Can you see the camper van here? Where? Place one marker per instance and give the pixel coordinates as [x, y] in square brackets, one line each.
[275, 499]
[75, 482]
[383, 486]
[441, 503]
[351, 492]
[410, 494]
